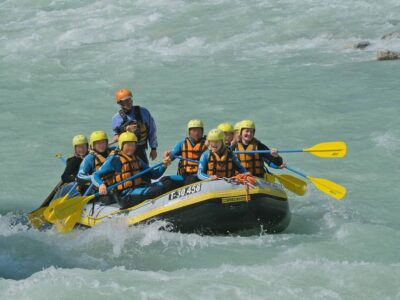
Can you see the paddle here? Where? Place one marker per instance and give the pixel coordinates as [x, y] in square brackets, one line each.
[293, 184]
[336, 149]
[49, 211]
[61, 157]
[326, 186]
[63, 213]
[36, 217]
[187, 159]
[290, 182]
[63, 224]
[73, 207]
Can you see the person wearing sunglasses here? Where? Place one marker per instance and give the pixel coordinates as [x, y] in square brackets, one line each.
[138, 120]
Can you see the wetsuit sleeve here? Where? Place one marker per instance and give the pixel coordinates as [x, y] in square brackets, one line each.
[203, 166]
[238, 165]
[155, 173]
[267, 157]
[86, 168]
[177, 150]
[152, 127]
[71, 170]
[111, 165]
[116, 122]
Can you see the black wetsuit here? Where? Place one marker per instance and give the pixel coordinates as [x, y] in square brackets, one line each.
[71, 170]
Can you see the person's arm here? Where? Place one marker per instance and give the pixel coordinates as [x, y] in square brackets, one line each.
[116, 123]
[71, 169]
[155, 173]
[86, 168]
[238, 165]
[203, 166]
[177, 150]
[111, 165]
[268, 157]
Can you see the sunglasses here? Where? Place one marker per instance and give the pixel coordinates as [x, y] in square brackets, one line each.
[125, 102]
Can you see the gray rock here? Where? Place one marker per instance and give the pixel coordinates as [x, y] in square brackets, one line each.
[394, 22]
[392, 35]
[359, 45]
[384, 54]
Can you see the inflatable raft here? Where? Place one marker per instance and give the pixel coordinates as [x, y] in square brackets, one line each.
[208, 207]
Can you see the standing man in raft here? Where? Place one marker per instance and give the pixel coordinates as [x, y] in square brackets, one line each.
[138, 120]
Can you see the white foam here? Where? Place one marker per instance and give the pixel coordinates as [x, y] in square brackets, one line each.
[386, 141]
[297, 279]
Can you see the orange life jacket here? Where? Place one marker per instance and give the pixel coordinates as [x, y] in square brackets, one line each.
[252, 162]
[222, 166]
[192, 152]
[130, 167]
[99, 161]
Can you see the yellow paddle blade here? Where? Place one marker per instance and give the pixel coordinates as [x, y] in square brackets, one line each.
[269, 177]
[71, 206]
[69, 213]
[336, 149]
[293, 184]
[36, 217]
[328, 187]
[67, 224]
[48, 213]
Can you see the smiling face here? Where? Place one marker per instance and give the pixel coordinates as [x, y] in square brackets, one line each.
[129, 148]
[247, 134]
[196, 133]
[216, 145]
[81, 150]
[100, 146]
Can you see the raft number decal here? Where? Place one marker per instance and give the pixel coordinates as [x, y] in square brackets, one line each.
[227, 200]
[185, 191]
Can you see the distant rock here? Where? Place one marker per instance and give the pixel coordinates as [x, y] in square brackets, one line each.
[384, 54]
[359, 45]
[392, 35]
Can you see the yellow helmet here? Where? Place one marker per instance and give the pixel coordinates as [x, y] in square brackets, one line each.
[237, 126]
[216, 135]
[195, 123]
[79, 140]
[126, 137]
[97, 136]
[246, 124]
[225, 127]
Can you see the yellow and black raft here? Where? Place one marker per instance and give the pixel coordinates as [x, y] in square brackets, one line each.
[220, 207]
[209, 207]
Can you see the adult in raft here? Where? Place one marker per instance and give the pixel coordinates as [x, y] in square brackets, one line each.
[138, 120]
[68, 177]
[81, 146]
[228, 130]
[191, 148]
[99, 151]
[219, 161]
[254, 163]
[123, 164]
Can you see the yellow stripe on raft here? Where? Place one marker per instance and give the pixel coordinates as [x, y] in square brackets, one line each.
[90, 221]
